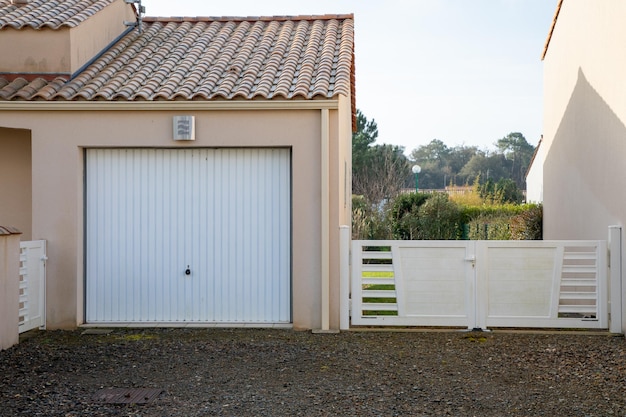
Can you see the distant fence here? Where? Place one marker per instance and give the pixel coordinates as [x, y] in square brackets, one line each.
[447, 190]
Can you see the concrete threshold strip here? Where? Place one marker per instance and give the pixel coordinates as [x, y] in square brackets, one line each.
[588, 332]
[537, 331]
[187, 325]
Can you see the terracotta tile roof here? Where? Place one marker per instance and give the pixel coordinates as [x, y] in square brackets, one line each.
[52, 14]
[8, 230]
[302, 57]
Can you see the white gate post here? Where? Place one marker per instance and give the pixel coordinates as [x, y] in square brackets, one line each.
[616, 290]
[477, 299]
[344, 277]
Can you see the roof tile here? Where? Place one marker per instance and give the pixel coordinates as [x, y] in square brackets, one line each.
[302, 57]
[53, 14]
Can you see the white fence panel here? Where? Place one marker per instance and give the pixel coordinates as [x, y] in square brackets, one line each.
[404, 282]
[32, 285]
[543, 284]
[480, 284]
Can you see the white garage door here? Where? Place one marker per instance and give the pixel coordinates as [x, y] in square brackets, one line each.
[188, 235]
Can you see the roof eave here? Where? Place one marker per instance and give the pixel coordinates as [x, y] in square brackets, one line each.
[554, 19]
[214, 105]
[238, 19]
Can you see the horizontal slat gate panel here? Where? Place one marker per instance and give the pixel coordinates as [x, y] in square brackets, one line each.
[379, 293]
[480, 284]
[412, 283]
[224, 214]
[32, 286]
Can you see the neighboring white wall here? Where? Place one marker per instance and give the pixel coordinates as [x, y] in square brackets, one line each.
[534, 179]
[585, 121]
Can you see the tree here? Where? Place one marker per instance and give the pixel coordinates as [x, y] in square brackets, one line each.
[379, 172]
[365, 135]
[508, 192]
[486, 167]
[459, 157]
[436, 151]
[383, 174]
[442, 165]
[433, 159]
[518, 153]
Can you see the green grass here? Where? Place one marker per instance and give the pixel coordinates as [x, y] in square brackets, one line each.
[390, 300]
[379, 313]
[377, 274]
[379, 287]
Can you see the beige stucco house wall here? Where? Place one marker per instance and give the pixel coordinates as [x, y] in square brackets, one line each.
[43, 143]
[65, 49]
[584, 141]
[16, 173]
[9, 286]
[58, 138]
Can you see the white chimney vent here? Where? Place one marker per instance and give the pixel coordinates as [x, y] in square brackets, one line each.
[184, 128]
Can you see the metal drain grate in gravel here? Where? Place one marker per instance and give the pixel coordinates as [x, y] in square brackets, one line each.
[127, 395]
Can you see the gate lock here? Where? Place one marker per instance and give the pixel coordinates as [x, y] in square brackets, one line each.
[187, 271]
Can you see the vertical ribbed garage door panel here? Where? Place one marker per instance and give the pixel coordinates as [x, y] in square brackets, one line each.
[225, 213]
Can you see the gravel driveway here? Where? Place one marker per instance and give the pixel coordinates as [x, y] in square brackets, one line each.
[255, 372]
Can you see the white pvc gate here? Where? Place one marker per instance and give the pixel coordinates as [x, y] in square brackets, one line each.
[188, 235]
[480, 284]
[32, 295]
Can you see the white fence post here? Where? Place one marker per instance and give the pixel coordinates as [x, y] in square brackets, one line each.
[344, 276]
[616, 296]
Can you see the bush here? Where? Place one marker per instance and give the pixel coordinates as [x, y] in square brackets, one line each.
[467, 198]
[404, 215]
[528, 225]
[469, 213]
[501, 192]
[487, 227]
[369, 222]
[504, 222]
[439, 219]
[417, 216]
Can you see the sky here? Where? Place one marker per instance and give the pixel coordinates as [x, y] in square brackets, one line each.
[466, 72]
